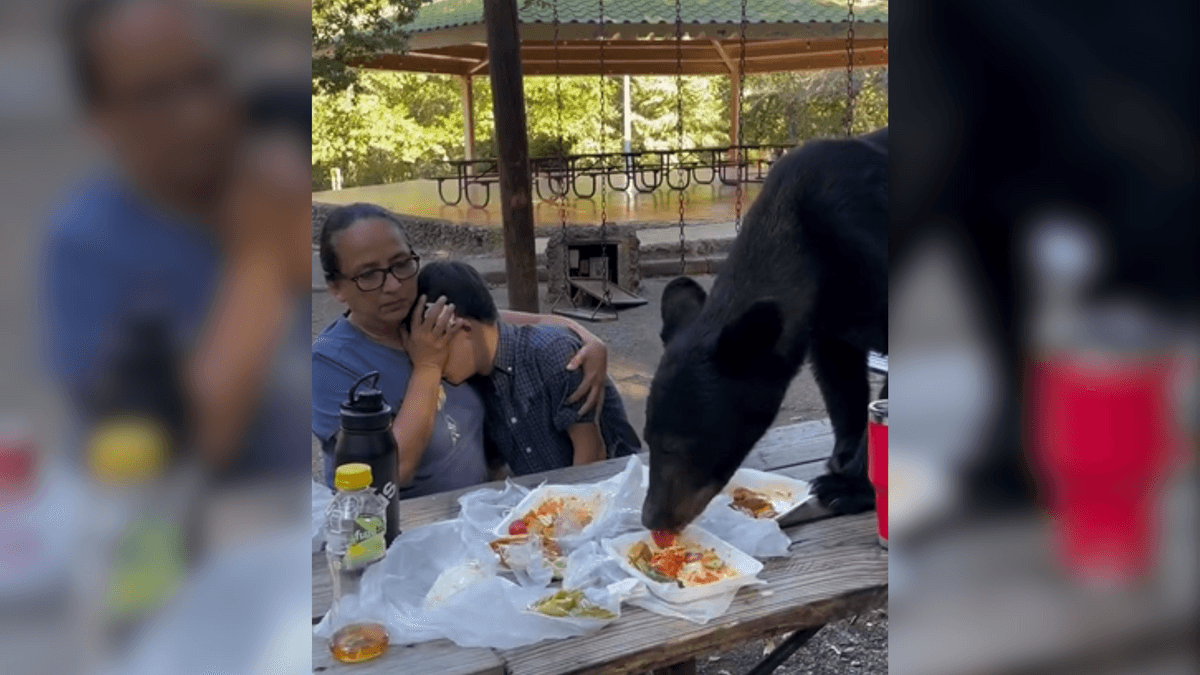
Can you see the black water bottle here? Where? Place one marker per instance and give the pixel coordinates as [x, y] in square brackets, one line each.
[366, 437]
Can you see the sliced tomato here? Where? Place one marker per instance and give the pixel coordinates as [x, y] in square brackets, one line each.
[518, 527]
[663, 538]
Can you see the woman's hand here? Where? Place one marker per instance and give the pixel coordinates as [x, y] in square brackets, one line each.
[267, 214]
[428, 341]
[593, 357]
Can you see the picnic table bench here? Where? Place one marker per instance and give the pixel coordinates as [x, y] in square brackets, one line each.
[834, 569]
[643, 170]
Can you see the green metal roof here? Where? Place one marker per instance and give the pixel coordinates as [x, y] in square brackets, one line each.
[449, 13]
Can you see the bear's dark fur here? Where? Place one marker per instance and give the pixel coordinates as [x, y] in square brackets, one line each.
[807, 278]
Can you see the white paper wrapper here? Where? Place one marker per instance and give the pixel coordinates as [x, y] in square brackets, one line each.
[607, 498]
[455, 580]
[759, 537]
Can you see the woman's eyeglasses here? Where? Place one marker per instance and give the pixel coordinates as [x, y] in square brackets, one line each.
[373, 280]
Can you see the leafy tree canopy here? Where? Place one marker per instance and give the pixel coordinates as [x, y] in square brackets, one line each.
[390, 127]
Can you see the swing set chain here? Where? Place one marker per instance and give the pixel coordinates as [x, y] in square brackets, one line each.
[603, 183]
[738, 154]
[679, 125]
[849, 118]
[565, 286]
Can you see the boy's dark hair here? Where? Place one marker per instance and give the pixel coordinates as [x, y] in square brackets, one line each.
[462, 285]
[342, 218]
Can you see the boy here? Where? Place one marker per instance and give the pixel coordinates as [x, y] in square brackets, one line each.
[518, 371]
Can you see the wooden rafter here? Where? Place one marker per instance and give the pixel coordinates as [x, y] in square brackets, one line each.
[699, 59]
[724, 57]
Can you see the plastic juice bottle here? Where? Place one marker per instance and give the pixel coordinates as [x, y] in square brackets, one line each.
[135, 531]
[355, 523]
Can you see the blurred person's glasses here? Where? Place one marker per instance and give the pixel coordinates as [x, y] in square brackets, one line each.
[158, 100]
[373, 280]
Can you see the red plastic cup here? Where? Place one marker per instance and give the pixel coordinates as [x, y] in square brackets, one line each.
[877, 468]
[18, 462]
[1102, 435]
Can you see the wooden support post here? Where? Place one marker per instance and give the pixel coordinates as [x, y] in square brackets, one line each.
[468, 106]
[512, 150]
[735, 93]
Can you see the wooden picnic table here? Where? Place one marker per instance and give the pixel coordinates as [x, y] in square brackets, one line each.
[835, 569]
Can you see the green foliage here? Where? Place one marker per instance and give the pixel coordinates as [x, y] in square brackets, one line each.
[792, 107]
[390, 127]
[346, 31]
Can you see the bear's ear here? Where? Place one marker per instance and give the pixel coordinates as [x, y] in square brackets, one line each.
[682, 301]
[748, 342]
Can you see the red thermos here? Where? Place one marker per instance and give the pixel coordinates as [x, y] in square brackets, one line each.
[877, 465]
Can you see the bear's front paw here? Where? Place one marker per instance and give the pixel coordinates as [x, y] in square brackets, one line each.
[843, 495]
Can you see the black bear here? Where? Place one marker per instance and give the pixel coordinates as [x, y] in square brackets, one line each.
[807, 278]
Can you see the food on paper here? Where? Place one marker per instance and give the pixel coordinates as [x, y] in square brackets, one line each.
[515, 552]
[571, 604]
[557, 516]
[754, 503]
[453, 581]
[683, 562]
[764, 495]
[554, 516]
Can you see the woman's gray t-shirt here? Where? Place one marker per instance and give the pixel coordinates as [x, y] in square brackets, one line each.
[454, 459]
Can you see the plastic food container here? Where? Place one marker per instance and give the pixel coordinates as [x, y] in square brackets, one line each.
[598, 499]
[747, 568]
[783, 492]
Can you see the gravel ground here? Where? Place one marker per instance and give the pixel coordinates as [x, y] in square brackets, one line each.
[856, 646]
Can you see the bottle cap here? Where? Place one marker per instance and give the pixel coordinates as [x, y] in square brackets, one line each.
[127, 450]
[364, 409]
[353, 476]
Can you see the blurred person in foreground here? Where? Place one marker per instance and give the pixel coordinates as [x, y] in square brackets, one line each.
[202, 215]
[1060, 119]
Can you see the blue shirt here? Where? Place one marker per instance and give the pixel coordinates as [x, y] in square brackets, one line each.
[109, 253]
[454, 458]
[526, 397]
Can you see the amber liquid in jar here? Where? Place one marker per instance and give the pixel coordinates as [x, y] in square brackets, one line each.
[358, 642]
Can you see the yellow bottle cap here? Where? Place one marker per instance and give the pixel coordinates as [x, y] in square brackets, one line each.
[352, 476]
[127, 450]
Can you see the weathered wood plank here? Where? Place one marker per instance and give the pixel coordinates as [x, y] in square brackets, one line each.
[791, 445]
[836, 570]
[438, 656]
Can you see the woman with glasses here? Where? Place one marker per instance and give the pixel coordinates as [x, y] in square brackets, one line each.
[370, 267]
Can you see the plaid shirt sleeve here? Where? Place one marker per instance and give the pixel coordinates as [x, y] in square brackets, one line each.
[552, 357]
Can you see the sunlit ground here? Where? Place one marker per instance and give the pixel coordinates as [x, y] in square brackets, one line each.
[704, 203]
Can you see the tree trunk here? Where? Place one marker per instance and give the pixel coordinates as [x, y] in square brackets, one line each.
[512, 151]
